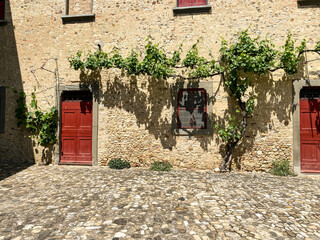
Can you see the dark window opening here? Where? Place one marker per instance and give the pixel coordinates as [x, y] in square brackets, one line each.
[2, 108]
[192, 109]
[308, 3]
[1, 9]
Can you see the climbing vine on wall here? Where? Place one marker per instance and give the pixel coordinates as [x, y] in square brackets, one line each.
[246, 55]
[41, 124]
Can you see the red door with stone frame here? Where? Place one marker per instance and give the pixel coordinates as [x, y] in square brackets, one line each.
[76, 131]
[310, 130]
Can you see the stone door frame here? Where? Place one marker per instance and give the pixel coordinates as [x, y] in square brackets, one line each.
[297, 86]
[95, 108]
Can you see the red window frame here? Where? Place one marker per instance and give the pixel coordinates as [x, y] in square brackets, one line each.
[205, 107]
[191, 3]
[2, 9]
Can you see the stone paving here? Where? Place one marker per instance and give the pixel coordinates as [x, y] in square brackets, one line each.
[69, 202]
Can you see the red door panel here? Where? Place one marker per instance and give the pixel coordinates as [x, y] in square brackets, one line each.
[76, 132]
[69, 119]
[85, 149]
[310, 135]
[69, 149]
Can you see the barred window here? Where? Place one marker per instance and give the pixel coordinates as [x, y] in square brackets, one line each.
[192, 109]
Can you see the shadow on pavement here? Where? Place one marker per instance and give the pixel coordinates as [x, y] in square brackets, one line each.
[8, 168]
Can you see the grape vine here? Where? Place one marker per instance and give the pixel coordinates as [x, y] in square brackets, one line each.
[246, 55]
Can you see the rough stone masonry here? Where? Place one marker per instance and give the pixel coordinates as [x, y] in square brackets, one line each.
[134, 118]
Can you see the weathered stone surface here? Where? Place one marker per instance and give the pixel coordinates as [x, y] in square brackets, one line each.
[65, 202]
[135, 114]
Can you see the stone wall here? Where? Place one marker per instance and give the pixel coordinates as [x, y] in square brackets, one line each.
[135, 115]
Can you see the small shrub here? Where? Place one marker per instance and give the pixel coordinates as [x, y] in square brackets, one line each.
[118, 163]
[281, 168]
[161, 166]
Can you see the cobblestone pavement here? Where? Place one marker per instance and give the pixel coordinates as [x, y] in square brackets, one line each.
[68, 202]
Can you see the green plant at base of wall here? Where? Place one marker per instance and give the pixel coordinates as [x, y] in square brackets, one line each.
[317, 48]
[118, 163]
[161, 166]
[246, 55]
[282, 168]
[41, 124]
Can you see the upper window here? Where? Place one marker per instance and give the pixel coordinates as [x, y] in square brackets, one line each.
[78, 7]
[189, 3]
[78, 11]
[192, 6]
[1, 9]
[192, 109]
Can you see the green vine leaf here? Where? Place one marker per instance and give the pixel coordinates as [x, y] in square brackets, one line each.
[231, 132]
[245, 55]
[317, 47]
[41, 124]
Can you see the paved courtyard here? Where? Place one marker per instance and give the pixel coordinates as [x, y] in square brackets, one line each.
[69, 202]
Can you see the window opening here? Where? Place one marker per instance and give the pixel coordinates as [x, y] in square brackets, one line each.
[2, 9]
[189, 3]
[2, 108]
[192, 109]
[78, 7]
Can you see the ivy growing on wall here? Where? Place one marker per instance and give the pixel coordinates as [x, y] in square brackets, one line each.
[246, 55]
[41, 124]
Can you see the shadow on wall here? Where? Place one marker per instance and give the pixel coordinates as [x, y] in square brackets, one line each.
[148, 100]
[16, 151]
[273, 102]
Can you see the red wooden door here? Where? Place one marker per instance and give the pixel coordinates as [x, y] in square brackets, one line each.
[310, 135]
[76, 132]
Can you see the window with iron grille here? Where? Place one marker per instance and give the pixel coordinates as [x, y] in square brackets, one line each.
[192, 109]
